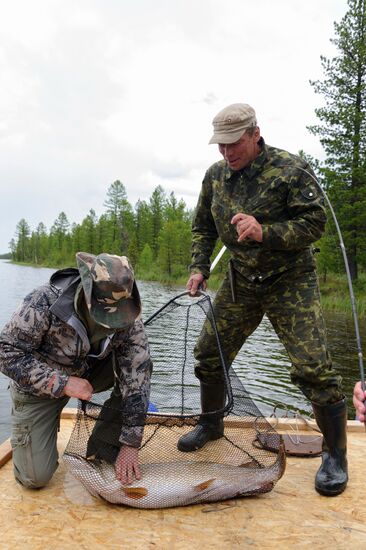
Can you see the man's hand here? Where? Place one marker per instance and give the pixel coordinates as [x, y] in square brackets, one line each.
[194, 282]
[79, 388]
[358, 401]
[247, 227]
[127, 466]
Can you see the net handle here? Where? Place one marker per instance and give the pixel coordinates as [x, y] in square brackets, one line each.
[185, 293]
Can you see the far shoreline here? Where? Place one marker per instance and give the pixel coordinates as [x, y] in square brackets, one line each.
[334, 292]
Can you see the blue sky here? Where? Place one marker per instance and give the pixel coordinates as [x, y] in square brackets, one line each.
[98, 90]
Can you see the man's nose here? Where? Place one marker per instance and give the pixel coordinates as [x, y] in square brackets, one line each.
[226, 149]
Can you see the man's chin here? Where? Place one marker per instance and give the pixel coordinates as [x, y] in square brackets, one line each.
[234, 165]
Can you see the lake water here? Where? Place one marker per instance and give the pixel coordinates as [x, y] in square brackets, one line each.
[262, 365]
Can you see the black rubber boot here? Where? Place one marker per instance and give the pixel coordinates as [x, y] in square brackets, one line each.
[208, 428]
[332, 476]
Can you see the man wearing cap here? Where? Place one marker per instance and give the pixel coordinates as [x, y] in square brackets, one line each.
[266, 207]
[78, 334]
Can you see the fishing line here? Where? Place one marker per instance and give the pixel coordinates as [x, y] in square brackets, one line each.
[349, 279]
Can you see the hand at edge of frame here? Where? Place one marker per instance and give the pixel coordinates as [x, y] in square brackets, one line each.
[359, 398]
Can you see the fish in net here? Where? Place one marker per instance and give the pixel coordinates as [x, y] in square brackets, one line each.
[231, 466]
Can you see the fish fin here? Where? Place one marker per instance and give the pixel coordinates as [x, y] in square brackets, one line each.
[204, 485]
[267, 487]
[135, 492]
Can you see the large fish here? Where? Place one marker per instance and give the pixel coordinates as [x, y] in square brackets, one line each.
[167, 484]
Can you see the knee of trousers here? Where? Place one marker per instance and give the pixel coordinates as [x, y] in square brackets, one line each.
[31, 483]
[33, 477]
[324, 389]
[31, 470]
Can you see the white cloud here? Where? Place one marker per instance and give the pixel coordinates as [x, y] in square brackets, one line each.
[93, 91]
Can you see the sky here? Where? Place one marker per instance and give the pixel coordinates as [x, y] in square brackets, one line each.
[98, 90]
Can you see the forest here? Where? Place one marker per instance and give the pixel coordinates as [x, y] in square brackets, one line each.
[155, 235]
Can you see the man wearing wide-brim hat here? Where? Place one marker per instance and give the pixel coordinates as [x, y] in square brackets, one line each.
[78, 334]
[268, 209]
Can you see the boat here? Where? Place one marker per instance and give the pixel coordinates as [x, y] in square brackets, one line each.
[292, 516]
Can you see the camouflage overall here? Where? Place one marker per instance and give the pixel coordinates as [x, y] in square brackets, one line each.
[276, 277]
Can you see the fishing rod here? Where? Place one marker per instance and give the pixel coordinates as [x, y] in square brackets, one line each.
[218, 258]
[349, 281]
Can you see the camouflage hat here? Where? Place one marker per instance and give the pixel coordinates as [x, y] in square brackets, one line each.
[110, 289]
[231, 123]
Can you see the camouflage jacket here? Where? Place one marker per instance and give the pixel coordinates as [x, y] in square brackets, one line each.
[277, 190]
[45, 342]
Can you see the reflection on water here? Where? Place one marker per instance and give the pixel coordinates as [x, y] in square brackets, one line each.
[262, 364]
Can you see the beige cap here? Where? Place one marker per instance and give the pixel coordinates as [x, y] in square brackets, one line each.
[231, 123]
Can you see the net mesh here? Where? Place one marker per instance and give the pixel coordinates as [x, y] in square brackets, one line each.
[231, 466]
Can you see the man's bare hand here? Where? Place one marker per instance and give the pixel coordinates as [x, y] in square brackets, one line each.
[358, 401]
[195, 282]
[79, 388]
[127, 466]
[247, 227]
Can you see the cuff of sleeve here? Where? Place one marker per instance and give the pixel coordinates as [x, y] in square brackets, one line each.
[266, 236]
[59, 384]
[202, 271]
[132, 436]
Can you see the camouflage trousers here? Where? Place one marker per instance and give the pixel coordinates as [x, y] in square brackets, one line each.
[291, 301]
[35, 423]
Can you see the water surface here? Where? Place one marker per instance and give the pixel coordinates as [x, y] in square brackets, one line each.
[262, 364]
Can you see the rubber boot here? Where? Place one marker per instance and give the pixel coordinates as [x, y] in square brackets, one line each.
[208, 428]
[332, 476]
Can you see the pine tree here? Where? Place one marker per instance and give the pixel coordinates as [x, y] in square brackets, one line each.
[60, 240]
[133, 251]
[39, 246]
[156, 204]
[60, 228]
[88, 233]
[145, 264]
[143, 225]
[175, 238]
[22, 236]
[13, 248]
[174, 210]
[342, 130]
[120, 214]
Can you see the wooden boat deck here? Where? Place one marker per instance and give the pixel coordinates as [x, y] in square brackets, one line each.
[292, 516]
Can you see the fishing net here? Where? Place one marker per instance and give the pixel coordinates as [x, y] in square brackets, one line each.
[235, 465]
